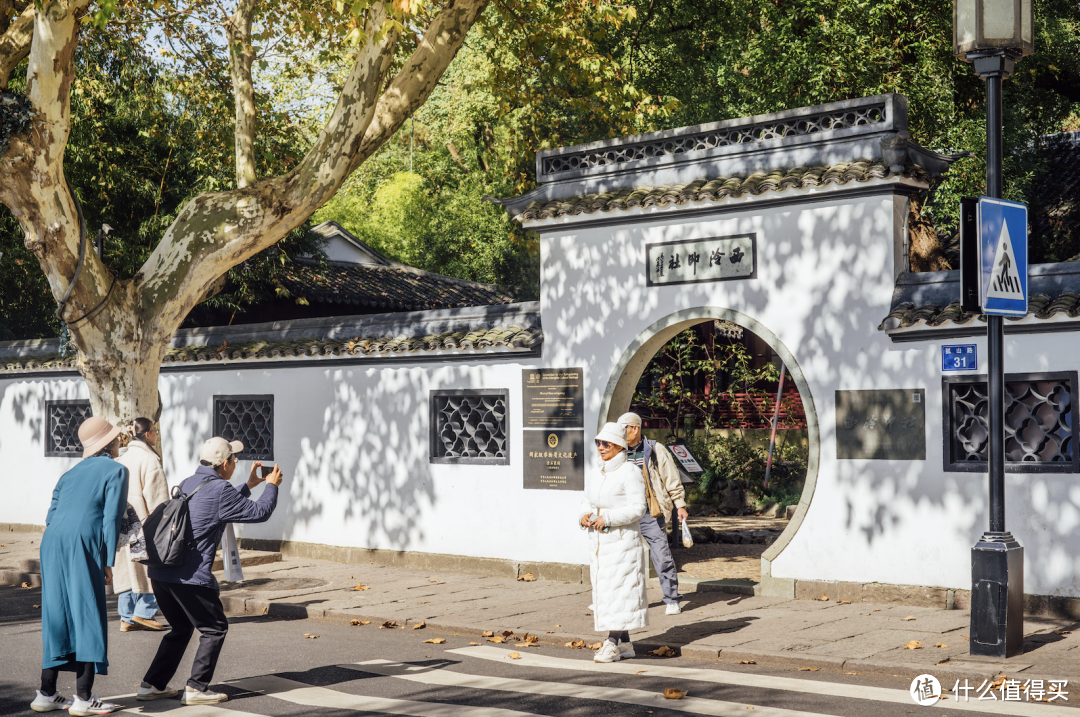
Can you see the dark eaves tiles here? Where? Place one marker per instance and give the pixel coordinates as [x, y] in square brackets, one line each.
[1041, 306]
[507, 338]
[717, 189]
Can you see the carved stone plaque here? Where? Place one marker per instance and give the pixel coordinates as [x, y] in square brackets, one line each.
[553, 397]
[554, 460]
[887, 424]
[690, 261]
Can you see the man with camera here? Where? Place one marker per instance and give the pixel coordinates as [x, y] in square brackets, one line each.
[663, 491]
[188, 594]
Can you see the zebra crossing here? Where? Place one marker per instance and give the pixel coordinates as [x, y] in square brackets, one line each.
[464, 673]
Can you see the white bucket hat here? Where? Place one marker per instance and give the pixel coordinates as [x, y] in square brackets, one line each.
[629, 419]
[613, 433]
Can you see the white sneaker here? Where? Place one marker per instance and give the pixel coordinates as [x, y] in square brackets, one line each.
[673, 609]
[608, 652]
[194, 697]
[626, 650]
[149, 692]
[44, 703]
[93, 706]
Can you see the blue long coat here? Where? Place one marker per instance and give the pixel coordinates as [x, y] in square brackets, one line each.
[81, 531]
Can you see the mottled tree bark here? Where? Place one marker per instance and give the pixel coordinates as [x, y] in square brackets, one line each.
[123, 329]
[241, 58]
[15, 39]
[926, 252]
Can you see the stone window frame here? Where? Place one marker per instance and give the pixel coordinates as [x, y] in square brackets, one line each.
[951, 465]
[435, 444]
[50, 446]
[219, 424]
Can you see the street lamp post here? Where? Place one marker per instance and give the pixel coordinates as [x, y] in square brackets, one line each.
[993, 35]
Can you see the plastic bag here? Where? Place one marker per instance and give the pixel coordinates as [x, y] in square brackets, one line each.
[687, 539]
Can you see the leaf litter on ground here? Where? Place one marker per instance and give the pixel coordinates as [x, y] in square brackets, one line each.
[420, 625]
[671, 693]
[663, 651]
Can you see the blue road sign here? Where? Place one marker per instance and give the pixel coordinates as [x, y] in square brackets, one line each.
[959, 357]
[1003, 257]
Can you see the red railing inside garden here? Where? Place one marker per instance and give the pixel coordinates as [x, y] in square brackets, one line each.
[743, 411]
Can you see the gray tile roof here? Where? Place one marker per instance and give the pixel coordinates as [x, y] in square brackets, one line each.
[500, 337]
[719, 189]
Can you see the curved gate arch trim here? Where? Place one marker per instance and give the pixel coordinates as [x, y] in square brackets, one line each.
[630, 366]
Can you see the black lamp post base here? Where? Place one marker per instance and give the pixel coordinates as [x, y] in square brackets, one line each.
[997, 596]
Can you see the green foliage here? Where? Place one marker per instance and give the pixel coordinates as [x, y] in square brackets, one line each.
[720, 59]
[732, 459]
[674, 384]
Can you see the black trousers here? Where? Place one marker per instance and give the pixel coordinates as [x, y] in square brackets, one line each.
[188, 608]
[84, 678]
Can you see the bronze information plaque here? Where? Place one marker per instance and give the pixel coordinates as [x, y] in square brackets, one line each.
[554, 460]
[553, 397]
[887, 424]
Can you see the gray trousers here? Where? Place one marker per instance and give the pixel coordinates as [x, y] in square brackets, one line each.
[652, 529]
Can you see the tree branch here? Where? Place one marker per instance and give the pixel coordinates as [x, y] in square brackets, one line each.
[15, 43]
[241, 56]
[420, 75]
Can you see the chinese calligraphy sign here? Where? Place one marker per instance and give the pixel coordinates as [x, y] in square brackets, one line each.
[554, 459]
[887, 424]
[700, 260]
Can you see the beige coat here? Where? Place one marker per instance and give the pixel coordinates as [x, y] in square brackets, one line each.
[665, 480]
[147, 489]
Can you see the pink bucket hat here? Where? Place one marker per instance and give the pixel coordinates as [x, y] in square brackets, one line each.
[96, 433]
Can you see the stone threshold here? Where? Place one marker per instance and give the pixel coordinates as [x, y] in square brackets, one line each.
[413, 560]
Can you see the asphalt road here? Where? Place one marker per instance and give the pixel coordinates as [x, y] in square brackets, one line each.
[274, 668]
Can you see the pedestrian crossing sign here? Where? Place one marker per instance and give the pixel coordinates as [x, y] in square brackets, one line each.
[1003, 257]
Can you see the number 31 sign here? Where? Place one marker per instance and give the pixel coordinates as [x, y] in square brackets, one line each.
[961, 357]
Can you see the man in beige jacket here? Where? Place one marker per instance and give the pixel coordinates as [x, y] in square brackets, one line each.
[662, 474]
[147, 489]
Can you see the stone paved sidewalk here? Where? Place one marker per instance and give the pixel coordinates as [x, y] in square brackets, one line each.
[854, 638]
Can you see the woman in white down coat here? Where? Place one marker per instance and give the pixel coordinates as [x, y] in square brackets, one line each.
[147, 489]
[614, 501]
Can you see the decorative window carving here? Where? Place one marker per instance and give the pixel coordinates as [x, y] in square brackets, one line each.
[248, 419]
[711, 139]
[470, 427]
[1040, 423]
[62, 421]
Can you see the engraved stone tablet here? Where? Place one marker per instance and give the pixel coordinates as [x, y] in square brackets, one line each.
[887, 424]
[695, 260]
[554, 460]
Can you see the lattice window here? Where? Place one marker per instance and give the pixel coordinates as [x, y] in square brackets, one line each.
[470, 427]
[62, 421]
[673, 146]
[1040, 423]
[248, 419]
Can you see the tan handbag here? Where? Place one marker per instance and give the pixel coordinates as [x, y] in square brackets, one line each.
[650, 498]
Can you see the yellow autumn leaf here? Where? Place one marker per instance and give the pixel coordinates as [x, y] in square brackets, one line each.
[747, 662]
[663, 651]
[436, 641]
[486, 633]
[419, 626]
[514, 656]
[496, 639]
[527, 577]
[913, 645]
[940, 644]
[671, 693]
[360, 587]
[908, 618]
[389, 624]
[474, 644]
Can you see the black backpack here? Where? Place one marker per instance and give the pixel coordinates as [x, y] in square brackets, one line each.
[168, 530]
